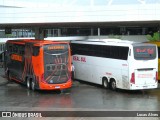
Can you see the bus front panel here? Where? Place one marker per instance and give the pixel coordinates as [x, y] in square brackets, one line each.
[56, 64]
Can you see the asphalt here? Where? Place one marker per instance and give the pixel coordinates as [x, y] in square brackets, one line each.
[3, 79]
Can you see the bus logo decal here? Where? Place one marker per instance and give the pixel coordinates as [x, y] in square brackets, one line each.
[55, 47]
[16, 57]
[144, 51]
[107, 73]
[81, 59]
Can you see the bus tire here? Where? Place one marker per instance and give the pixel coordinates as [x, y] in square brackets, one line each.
[28, 83]
[33, 85]
[113, 84]
[105, 83]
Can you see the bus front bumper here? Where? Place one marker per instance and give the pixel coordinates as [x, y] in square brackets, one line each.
[45, 86]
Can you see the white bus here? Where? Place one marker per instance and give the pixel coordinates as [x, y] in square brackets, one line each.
[116, 63]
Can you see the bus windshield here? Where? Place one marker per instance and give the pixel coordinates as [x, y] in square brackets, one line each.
[144, 52]
[56, 63]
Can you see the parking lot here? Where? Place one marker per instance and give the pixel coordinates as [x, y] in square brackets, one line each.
[81, 97]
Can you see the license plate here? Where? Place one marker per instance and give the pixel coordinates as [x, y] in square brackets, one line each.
[144, 86]
[57, 87]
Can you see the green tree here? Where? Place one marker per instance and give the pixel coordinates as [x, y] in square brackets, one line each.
[156, 37]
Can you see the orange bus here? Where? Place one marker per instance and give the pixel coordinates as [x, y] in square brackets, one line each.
[39, 64]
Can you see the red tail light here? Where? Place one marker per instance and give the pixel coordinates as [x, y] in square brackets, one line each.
[156, 76]
[132, 78]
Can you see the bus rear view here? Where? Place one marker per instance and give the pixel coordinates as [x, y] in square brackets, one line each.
[144, 67]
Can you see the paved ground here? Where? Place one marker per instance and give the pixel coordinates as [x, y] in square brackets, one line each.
[83, 97]
[3, 80]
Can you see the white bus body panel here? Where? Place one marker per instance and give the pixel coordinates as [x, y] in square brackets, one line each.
[93, 69]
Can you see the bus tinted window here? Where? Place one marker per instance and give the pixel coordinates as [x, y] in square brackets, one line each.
[36, 51]
[10, 48]
[115, 52]
[15, 48]
[21, 49]
[144, 52]
[56, 63]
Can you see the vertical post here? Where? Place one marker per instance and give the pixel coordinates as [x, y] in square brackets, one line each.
[123, 30]
[22, 33]
[50, 34]
[99, 31]
[31, 35]
[91, 31]
[143, 31]
[16, 32]
[59, 32]
[39, 33]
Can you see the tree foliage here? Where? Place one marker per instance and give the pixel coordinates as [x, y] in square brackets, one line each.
[155, 37]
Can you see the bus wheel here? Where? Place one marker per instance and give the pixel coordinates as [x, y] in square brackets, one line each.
[28, 83]
[105, 83]
[113, 84]
[33, 85]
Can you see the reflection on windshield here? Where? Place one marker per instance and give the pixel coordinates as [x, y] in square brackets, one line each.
[56, 64]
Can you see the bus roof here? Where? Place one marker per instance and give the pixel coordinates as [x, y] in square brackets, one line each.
[116, 42]
[35, 41]
[103, 41]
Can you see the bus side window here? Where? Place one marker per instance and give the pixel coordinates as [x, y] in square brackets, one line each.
[10, 49]
[36, 51]
[15, 49]
[21, 50]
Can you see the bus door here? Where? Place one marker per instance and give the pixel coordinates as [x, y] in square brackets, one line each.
[56, 63]
[124, 73]
[146, 65]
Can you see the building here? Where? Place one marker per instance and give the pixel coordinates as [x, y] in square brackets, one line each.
[48, 18]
